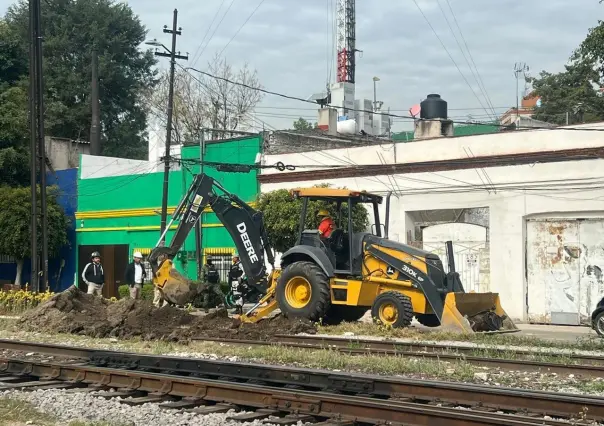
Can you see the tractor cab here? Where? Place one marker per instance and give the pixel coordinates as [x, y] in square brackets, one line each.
[344, 246]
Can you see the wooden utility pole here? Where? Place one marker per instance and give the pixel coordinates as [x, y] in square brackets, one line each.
[95, 125]
[173, 55]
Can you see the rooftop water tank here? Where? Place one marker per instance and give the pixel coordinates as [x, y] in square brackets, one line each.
[433, 107]
[347, 127]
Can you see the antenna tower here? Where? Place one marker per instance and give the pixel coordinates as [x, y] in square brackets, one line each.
[346, 40]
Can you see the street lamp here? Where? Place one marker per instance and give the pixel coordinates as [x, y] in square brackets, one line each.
[171, 53]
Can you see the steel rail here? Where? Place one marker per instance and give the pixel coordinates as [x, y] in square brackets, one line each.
[350, 346]
[317, 404]
[424, 391]
[393, 345]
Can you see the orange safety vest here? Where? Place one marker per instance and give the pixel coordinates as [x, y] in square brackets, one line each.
[326, 227]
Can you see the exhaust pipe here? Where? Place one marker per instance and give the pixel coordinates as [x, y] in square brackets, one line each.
[387, 218]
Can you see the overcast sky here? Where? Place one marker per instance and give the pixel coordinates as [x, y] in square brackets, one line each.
[289, 42]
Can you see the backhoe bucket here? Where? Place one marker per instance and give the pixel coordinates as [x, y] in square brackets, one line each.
[475, 312]
[175, 287]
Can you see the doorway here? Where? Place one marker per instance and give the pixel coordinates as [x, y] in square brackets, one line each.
[114, 259]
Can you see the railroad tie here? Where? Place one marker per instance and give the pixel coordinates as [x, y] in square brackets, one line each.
[121, 393]
[211, 409]
[183, 403]
[291, 419]
[145, 400]
[256, 415]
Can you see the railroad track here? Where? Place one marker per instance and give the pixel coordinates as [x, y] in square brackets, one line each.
[323, 395]
[523, 360]
[204, 396]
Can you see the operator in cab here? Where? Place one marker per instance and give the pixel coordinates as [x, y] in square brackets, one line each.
[327, 224]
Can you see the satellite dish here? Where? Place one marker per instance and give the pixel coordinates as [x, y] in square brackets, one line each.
[415, 110]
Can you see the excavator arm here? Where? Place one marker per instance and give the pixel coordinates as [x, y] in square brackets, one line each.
[243, 223]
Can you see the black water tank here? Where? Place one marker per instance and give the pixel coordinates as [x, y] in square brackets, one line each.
[433, 107]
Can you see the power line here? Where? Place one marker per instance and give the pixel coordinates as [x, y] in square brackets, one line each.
[482, 89]
[450, 56]
[406, 117]
[195, 57]
[241, 27]
[470, 54]
[216, 29]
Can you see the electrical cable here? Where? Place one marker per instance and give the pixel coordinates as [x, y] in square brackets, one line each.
[241, 27]
[450, 56]
[216, 29]
[406, 117]
[194, 57]
[476, 74]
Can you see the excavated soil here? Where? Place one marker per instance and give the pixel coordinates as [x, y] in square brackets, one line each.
[75, 312]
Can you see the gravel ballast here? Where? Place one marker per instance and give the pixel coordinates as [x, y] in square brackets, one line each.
[70, 407]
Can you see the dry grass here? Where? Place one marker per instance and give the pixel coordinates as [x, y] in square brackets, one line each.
[591, 343]
[15, 412]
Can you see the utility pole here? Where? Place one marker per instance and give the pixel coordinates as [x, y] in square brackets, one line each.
[95, 124]
[519, 68]
[32, 145]
[41, 149]
[198, 225]
[173, 55]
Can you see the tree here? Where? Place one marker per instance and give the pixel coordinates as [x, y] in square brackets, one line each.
[15, 218]
[202, 101]
[282, 216]
[302, 124]
[571, 91]
[72, 29]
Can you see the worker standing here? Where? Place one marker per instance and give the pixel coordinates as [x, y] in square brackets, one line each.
[212, 279]
[135, 276]
[235, 273]
[327, 225]
[93, 275]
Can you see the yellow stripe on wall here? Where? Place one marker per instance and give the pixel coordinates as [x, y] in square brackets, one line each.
[140, 228]
[150, 211]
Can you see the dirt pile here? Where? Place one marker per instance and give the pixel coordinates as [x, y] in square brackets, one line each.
[75, 312]
[219, 325]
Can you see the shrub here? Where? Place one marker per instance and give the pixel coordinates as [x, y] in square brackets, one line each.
[146, 293]
[21, 300]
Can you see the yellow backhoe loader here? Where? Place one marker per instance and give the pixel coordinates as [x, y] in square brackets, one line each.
[338, 278]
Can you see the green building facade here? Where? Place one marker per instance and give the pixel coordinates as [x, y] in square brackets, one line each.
[118, 215]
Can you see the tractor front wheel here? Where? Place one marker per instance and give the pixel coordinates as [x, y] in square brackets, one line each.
[392, 309]
[303, 291]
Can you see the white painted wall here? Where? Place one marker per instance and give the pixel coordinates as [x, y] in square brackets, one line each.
[93, 167]
[522, 191]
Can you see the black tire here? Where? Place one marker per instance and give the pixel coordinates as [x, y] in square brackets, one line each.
[429, 320]
[400, 303]
[319, 299]
[598, 324]
[343, 313]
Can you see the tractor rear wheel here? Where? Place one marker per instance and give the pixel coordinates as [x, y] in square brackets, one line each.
[392, 309]
[303, 291]
[343, 313]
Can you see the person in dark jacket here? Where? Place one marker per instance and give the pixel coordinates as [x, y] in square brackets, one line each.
[235, 274]
[93, 275]
[135, 276]
[212, 279]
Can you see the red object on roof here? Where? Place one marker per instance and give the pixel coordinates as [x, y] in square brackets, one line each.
[415, 110]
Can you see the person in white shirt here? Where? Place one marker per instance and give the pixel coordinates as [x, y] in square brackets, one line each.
[135, 276]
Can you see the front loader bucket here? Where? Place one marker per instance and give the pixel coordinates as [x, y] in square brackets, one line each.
[475, 312]
[175, 287]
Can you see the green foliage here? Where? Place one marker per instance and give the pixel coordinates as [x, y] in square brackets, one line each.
[569, 91]
[72, 29]
[146, 292]
[302, 124]
[15, 217]
[282, 216]
[574, 90]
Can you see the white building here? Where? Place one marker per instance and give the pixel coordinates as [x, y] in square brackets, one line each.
[525, 209]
